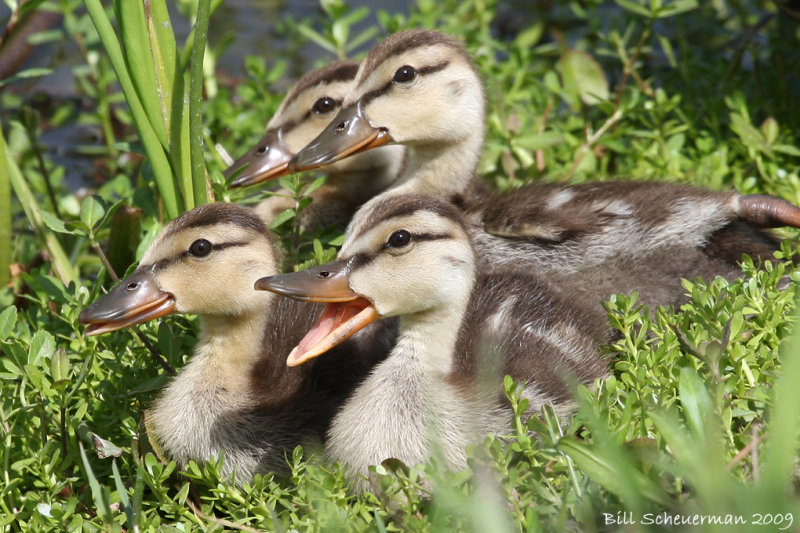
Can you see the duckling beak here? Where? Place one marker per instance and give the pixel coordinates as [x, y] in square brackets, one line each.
[347, 134]
[134, 300]
[346, 313]
[268, 160]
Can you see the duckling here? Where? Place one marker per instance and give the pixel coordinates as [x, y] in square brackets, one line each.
[306, 110]
[460, 330]
[420, 89]
[234, 395]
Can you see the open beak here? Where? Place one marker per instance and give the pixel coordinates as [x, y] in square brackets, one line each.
[268, 160]
[347, 134]
[134, 300]
[346, 312]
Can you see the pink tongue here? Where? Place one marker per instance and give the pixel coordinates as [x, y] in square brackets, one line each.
[324, 326]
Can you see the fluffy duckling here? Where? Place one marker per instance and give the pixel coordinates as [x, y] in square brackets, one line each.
[420, 89]
[307, 109]
[460, 331]
[235, 395]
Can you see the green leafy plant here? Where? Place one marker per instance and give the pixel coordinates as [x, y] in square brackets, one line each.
[699, 413]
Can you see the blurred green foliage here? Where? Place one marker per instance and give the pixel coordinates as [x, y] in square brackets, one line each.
[688, 421]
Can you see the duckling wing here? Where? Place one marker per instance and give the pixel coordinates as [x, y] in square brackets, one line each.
[548, 213]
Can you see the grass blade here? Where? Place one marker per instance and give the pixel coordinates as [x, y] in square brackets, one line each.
[99, 495]
[62, 266]
[164, 52]
[195, 103]
[158, 158]
[608, 465]
[780, 455]
[5, 217]
[139, 60]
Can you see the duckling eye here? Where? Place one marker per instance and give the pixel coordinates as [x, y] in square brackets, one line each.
[200, 248]
[399, 239]
[405, 74]
[324, 105]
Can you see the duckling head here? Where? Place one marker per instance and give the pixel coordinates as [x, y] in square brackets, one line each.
[203, 262]
[417, 88]
[307, 109]
[413, 258]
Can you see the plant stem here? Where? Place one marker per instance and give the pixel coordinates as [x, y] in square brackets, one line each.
[630, 66]
[157, 356]
[613, 119]
[63, 423]
[51, 194]
[105, 261]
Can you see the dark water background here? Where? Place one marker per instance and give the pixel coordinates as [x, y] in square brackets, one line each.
[250, 22]
[249, 25]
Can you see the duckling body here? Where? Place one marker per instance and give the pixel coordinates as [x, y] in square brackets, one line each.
[235, 395]
[306, 110]
[420, 89]
[460, 330]
[605, 238]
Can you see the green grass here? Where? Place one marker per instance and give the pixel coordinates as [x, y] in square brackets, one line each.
[699, 417]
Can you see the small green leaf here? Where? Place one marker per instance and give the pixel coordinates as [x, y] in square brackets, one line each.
[340, 31]
[46, 36]
[38, 379]
[583, 78]
[539, 141]
[7, 320]
[787, 149]
[29, 6]
[43, 345]
[666, 46]
[749, 135]
[635, 8]
[317, 250]
[25, 74]
[281, 218]
[92, 211]
[695, 401]
[529, 37]
[9, 365]
[770, 130]
[59, 366]
[314, 185]
[314, 36]
[54, 223]
[675, 8]
[44, 509]
[338, 241]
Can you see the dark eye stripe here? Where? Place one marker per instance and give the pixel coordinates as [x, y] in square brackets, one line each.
[363, 259]
[177, 258]
[371, 95]
[292, 124]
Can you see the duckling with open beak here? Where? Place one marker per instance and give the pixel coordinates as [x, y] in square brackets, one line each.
[460, 330]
